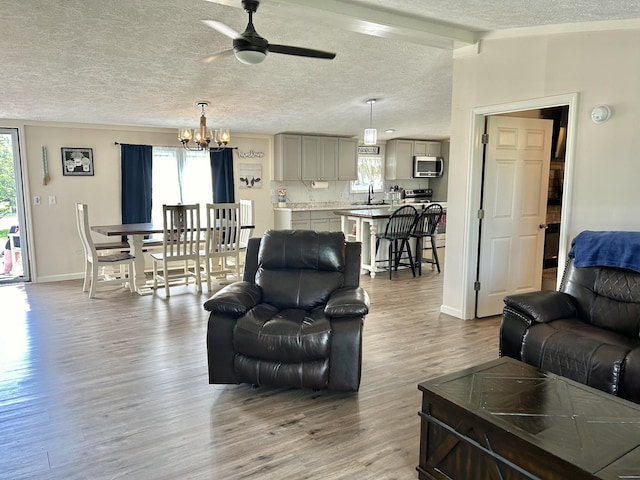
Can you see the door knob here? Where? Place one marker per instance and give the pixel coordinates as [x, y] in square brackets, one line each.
[544, 226]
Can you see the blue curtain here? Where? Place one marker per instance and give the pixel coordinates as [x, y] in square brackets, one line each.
[135, 164]
[222, 176]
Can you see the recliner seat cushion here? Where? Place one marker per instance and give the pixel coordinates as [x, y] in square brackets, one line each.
[295, 375]
[290, 336]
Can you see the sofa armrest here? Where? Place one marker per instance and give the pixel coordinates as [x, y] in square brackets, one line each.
[347, 302]
[544, 306]
[235, 299]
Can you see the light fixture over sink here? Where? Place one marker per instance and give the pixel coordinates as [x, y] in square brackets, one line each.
[203, 136]
[370, 134]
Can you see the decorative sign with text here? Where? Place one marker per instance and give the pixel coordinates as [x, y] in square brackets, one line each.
[369, 150]
[250, 154]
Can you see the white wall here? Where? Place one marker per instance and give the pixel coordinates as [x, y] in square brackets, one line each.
[599, 68]
[55, 250]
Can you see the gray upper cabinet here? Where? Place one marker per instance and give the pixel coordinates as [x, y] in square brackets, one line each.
[399, 159]
[400, 153]
[288, 157]
[427, 149]
[319, 158]
[348, 159]
[311, 157]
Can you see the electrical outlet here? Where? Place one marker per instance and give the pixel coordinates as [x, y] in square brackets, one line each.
[36, 199]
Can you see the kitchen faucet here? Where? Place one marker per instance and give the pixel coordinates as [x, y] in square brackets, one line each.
[370, 196]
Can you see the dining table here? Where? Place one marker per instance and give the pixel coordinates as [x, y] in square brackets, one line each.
[136, 232]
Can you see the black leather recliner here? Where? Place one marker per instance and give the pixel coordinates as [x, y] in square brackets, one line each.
[588, 331]
[296, 318]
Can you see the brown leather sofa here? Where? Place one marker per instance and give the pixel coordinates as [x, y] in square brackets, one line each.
[587, 331]
[296, 318]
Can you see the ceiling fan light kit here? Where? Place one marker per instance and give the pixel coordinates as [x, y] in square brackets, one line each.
[203, 136]
[250, 48]
[370, 134]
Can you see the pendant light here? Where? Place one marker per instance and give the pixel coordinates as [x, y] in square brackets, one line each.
[370, 134]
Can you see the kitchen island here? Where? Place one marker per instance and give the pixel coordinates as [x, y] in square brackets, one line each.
[362, 225]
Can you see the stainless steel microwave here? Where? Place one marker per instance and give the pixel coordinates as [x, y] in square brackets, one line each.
[427, 167]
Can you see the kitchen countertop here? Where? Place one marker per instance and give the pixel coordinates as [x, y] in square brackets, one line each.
[320, 206]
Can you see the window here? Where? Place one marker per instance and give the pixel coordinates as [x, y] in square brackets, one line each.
[180, 176]
[370, 172]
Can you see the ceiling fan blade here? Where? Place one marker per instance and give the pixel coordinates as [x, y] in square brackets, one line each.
[218, 55]
[222, 28]
[301, 52]
[228, 3]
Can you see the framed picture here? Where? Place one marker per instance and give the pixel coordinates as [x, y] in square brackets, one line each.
[250, 175]
[77, 161]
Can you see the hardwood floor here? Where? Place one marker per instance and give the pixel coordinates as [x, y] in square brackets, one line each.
[116, 387]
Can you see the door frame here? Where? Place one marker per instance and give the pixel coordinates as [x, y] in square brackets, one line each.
[19, 167]
[476, 159]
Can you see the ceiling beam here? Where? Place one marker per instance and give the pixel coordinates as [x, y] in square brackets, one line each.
[384, 22]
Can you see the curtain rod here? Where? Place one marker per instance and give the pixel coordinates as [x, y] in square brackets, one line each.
[166, 146]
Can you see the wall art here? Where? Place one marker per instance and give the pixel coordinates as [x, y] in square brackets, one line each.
[77, 161]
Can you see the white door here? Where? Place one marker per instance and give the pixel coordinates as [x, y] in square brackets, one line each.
[515, 188]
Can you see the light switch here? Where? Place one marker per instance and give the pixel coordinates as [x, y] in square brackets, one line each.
[36, 199]
[52, 199]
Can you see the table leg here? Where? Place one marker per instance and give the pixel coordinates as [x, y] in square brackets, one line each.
[139, 278]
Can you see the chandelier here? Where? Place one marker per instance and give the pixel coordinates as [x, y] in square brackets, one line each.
[203, 136]
[370, 134]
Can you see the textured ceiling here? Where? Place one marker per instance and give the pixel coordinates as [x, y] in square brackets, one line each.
[140, 62]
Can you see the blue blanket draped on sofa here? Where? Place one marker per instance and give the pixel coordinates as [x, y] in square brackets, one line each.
[606, 249]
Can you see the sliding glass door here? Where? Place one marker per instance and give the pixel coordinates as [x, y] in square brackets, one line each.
[14, 258]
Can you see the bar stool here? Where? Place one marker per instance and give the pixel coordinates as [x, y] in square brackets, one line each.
[397, 232]
[426, 227]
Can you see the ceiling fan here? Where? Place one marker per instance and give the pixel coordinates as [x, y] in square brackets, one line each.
[249, 47]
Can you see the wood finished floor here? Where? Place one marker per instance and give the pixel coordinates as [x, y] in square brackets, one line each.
[116, 388]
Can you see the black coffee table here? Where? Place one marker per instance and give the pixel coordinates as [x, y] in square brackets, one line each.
[506, 420]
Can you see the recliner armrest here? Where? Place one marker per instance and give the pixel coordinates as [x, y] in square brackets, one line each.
[347, 302]
[544, 306]
[235, 299]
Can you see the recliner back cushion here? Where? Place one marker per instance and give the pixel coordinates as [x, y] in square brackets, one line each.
[300, 268]
[617, 304]
[606, 297]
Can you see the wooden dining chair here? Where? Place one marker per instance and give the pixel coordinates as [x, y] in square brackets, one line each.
[94, 262]
[180, 244]
[246, 218]
[222, 241]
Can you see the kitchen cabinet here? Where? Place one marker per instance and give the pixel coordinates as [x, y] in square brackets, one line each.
[347, 159]
[287, 163]
[319, 158]
[427, 149]
[400, 153]
[320, 220]
[325, 221]
[310, 157]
